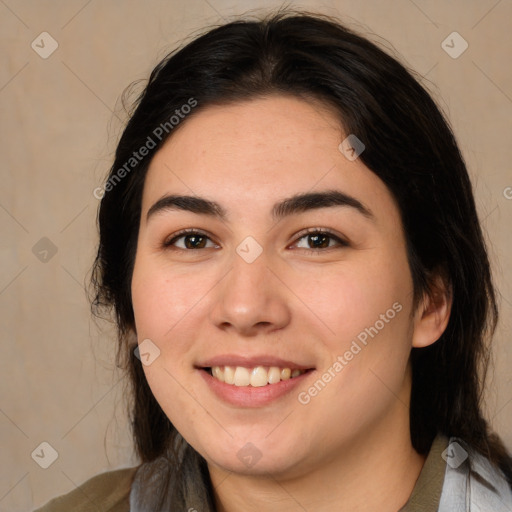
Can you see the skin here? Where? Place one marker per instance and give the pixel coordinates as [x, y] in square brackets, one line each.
[349, 448]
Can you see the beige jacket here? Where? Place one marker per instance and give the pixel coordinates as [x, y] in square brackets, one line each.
[107, 492]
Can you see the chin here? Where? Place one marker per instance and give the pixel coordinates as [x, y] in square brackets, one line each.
[257, 458]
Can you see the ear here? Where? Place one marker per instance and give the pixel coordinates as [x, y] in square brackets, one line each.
[433, 313]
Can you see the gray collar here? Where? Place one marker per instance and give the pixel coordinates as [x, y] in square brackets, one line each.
[472, 483]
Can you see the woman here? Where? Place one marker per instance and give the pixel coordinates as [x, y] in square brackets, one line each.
[289, 241]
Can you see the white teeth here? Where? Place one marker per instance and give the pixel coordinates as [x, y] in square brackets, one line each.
[242, 376]
[229, 374]
[274, 375]
[218, 373]
[259, 377]
[256, 377]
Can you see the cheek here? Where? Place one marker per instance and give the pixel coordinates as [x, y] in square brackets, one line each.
[367, 354]
[350, 299]
[168, 386]
[162, 297]
[373, 335]
[367, 309]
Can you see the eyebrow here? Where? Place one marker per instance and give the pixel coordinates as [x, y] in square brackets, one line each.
[297, 203]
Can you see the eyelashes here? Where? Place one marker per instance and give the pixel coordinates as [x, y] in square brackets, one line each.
[319, 236]
[196, 237]
[194, 240]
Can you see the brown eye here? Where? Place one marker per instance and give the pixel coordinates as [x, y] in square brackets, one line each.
[190, 240]
[319, 240]
[194, 241]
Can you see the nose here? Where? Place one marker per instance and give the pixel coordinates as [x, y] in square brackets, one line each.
[251, 300]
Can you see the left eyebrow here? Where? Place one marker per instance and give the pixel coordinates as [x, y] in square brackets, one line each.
[296, 204]
[315, 200]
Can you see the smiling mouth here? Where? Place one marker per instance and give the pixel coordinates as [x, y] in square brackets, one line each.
[257, 376]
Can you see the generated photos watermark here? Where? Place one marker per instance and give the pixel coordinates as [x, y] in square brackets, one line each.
[158, 133]
[454, 455]
[146, 352]
[357, 345]
[351, 147]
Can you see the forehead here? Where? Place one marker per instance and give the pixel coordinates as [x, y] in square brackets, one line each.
[258, 151]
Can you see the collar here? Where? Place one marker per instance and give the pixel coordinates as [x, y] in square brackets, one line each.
[472, 483]
[465, 480]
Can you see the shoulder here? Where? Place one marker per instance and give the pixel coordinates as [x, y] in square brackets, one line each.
[109, 492]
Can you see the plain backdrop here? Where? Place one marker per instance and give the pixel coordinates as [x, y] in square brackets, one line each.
[60, 120]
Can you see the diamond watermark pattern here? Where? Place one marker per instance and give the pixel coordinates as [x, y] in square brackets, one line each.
[454, 45]
[147, 352]
[45, 455]
[249, 249]
[44, 45]
[454, 455]
[249, 455]
[44, 250]
[351, 147]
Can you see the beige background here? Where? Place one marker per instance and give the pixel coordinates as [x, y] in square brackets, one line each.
[59, 126]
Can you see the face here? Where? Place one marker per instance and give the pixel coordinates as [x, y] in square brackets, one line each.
[301, 307]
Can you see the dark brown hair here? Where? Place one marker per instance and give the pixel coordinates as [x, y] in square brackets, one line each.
[409, 146]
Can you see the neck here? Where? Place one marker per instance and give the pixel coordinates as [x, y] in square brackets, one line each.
[376, 471]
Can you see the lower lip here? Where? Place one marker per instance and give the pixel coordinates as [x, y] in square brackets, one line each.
[249, 396]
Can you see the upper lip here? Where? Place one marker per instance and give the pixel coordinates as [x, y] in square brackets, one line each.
[251, 362]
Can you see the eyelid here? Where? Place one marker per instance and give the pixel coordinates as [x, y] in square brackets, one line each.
[168, 242]
[342, 241]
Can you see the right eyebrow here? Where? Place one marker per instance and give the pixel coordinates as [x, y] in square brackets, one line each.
[192, 204]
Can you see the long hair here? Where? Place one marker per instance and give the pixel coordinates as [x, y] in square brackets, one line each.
[409, 146]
